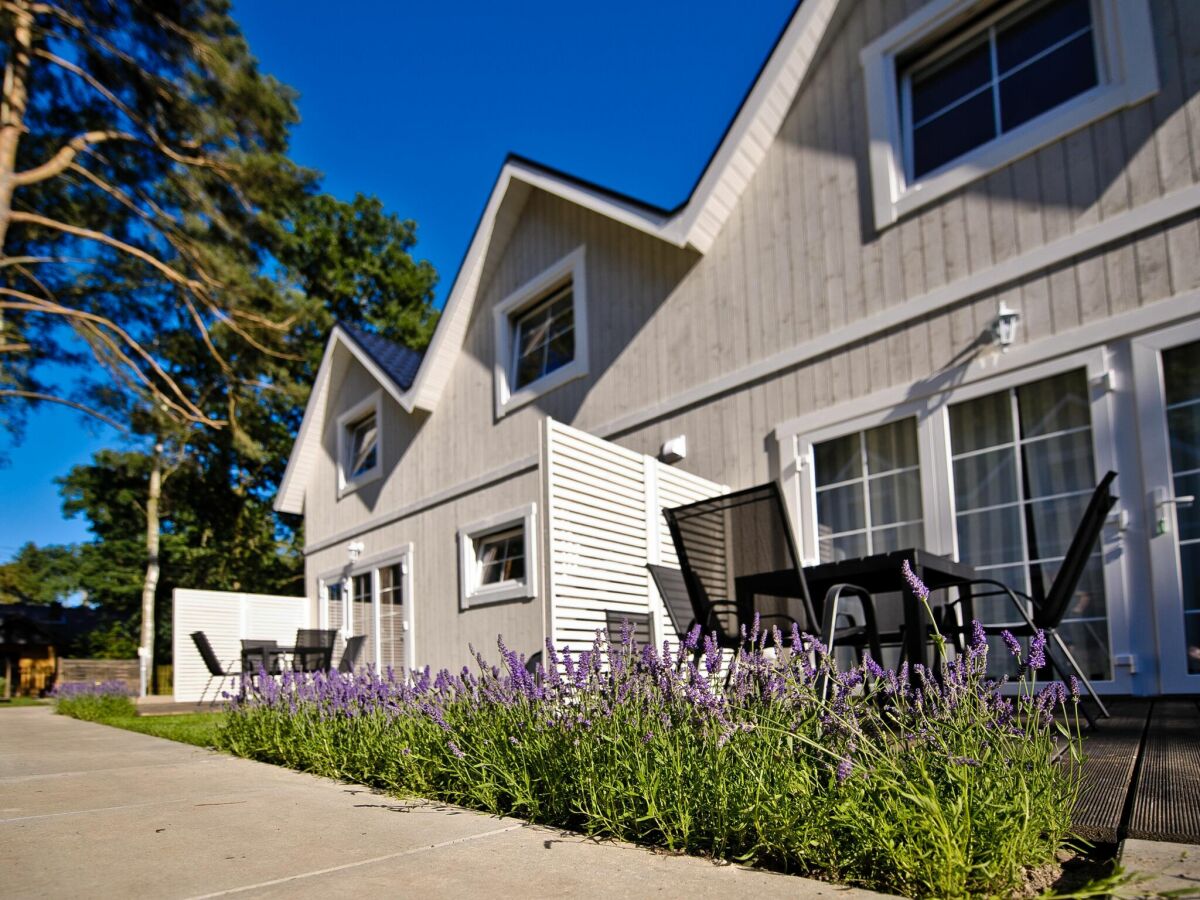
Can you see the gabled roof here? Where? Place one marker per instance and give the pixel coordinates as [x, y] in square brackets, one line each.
[392, 365]
[693, 224]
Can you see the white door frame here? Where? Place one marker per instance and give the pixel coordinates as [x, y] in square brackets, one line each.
[1165, 572]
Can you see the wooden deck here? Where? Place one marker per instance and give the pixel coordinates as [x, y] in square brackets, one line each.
[1141, 778]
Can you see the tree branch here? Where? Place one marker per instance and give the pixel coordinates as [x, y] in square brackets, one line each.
[51, 398]
[58, 163]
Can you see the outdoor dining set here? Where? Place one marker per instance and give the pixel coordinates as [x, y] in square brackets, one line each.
[312, 652]
[740, 544]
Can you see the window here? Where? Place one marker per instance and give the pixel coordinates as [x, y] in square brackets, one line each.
[497, 559]
[362, 616]
[997, 79]
[359, 445]
[545, 338]
[1023, 473]
[954, 92]
[1181, 383]
[541, 334]
[391, 617]
[868, 489]
[996, 471]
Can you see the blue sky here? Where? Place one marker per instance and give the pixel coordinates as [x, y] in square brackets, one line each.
[419, 102]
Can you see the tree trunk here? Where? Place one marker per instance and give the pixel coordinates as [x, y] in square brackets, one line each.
[150, 585]
[12, 106]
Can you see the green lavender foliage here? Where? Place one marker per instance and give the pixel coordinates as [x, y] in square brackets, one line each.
[945, 789]
[94, 702]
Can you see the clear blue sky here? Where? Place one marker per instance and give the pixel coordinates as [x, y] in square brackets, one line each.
[419, 102]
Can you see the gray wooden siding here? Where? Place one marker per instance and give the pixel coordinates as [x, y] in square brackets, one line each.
[441, 631]
[799, 258]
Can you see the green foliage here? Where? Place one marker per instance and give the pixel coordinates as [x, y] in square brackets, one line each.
[200, 729]
[40, 575]
[96, 707]
[917, 795]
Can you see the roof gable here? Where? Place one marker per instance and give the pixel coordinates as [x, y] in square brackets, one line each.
[392, 365]
[695, 223]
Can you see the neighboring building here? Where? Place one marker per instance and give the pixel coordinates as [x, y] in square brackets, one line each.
[33, 638]
[822, 310]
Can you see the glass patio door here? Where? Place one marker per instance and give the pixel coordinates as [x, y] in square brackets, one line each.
[1167, 373]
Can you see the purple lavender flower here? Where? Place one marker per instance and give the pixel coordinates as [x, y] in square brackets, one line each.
[875, 670]
[844, 768]
[915, 583]
[1074, 688]
[1014, 646]
[1037, 650]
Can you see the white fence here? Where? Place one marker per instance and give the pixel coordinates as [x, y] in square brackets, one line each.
[604, 520]
[226, 618]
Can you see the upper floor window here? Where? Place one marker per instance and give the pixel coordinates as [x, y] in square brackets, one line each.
[969, 90]
[359, 445]
[964, 87]
[545, 338]
[541, 334]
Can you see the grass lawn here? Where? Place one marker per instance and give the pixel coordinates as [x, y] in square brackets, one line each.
[187, 728]
[24, 701]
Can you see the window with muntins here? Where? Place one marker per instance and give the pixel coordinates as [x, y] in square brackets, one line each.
[868, 489]
[1023, 473]
[1181, 381]
[993, 78]
[501, 557]
[544, 338]
[362, 617]
[391, 617]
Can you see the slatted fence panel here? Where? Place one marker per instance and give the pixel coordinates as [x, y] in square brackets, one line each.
[604, 524]
[226, 618]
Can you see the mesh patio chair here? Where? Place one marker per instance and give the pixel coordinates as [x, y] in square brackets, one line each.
[672, 587]
[257, 653]
[351, 653]
[314, 649]
[1046, 608]
[641, 626]
[215, 669]
[738, 548]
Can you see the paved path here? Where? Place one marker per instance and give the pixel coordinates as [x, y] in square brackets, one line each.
[92, 811]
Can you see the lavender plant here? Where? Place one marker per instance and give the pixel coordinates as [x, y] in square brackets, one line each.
[926, 786]
[93, 702]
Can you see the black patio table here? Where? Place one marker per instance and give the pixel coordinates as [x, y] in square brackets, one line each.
[876, 574]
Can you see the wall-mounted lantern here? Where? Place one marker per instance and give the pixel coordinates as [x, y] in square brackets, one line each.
[354, 550]
[1004, 328]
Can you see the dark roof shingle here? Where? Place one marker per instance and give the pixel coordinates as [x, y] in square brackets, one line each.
[398, 362]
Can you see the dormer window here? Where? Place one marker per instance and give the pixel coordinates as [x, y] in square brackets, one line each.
[545, 337]
[359, 446]
[963, 87]
[541, 334]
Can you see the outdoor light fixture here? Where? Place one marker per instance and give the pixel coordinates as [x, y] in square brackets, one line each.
[1004, 328]
[354, 550]
[674, 450]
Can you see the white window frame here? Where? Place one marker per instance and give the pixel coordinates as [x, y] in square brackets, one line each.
[356, 413]
[570, 270]
[797, 437]
[1126, 66]
[471, 593]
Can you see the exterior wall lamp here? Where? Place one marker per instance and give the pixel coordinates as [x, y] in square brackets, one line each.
[1004, 327]
[354, 550]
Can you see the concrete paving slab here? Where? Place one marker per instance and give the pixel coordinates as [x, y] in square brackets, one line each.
[90, 810]
[1162, 866]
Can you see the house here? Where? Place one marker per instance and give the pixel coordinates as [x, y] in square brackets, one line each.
[941, 273]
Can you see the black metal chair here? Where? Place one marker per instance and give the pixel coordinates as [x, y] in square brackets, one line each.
[260, 654]
[215, 669]
[673, 590]
[1050, 606]
[351, 653]
[314, 649]
[741, 544]
[641, 626]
